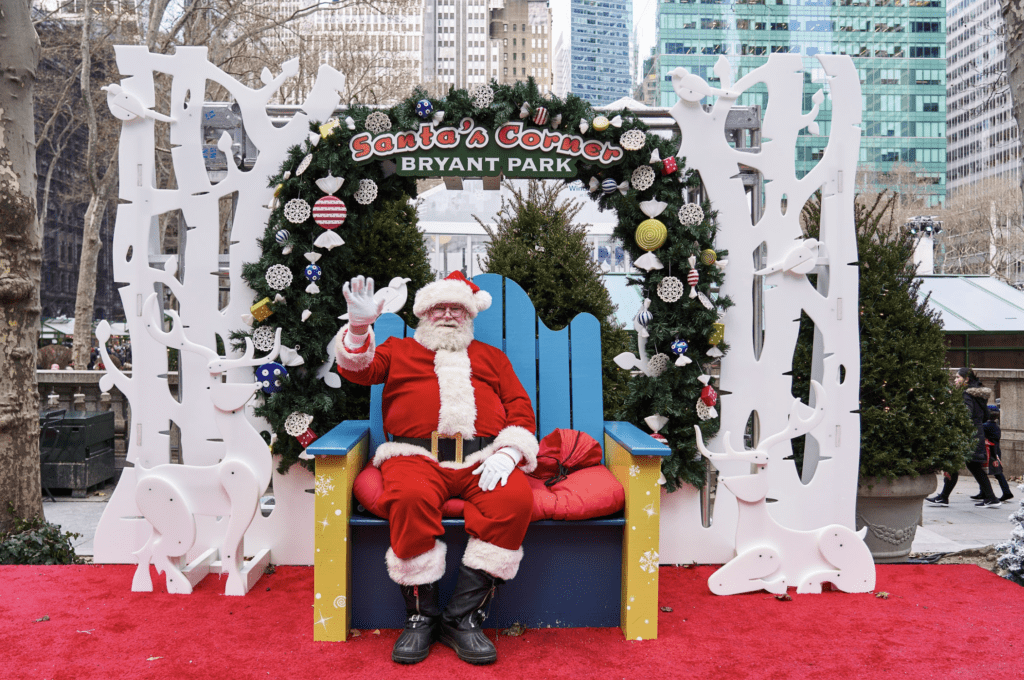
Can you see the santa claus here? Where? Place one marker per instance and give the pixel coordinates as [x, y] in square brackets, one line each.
[458, 424]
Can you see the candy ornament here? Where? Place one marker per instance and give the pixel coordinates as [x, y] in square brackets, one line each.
[424, 108]
[669, 165]
[540, 116]
[679, 348]
[261, 310]
[708, 399]
[717, 336]
[708, 256]
[693, 278]
[651, 234]
[329, 212]
[524, 110]
[328, 128]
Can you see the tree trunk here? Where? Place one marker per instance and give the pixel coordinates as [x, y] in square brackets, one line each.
[1013, 40]
[87, 267]
[20, 256]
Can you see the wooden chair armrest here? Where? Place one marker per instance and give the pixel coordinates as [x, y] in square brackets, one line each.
[340, 456]
[634, 457]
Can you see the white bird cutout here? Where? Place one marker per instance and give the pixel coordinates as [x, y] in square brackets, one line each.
[800, 260]
[394, 296]
[126, 106]
[692, 88]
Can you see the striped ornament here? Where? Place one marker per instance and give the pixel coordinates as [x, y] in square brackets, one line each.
[329, 212]
[693, 278]
[540, 116]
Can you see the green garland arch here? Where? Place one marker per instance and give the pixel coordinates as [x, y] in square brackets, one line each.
[673, 394]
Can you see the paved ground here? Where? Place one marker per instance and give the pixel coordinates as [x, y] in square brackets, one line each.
[946, 529]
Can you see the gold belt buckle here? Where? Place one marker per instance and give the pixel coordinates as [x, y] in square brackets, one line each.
[435, 435]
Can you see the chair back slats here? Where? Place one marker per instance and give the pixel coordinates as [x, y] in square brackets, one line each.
[487, 327]
[521, 338]
[585, 372]
[560, 370]
[555, 399]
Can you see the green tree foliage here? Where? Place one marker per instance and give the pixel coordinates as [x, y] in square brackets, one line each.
[536, 243]
[389, 245]
[913, 421]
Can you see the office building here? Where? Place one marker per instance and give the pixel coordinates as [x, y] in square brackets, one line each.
[522, 42]
[898, 47]
[600, 33]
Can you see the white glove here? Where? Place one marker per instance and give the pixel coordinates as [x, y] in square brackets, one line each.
[363, 310]
[497, 468]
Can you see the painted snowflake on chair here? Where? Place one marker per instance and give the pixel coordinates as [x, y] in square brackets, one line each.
[324, 485]
[649, 561]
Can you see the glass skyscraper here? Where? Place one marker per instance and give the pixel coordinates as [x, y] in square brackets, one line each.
[898, 47]
[600, 32]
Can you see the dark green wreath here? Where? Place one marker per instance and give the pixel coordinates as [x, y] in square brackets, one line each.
[395, 252]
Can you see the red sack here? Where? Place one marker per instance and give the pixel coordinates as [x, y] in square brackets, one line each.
[564, 451]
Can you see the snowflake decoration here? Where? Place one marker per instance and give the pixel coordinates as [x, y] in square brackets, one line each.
[670, 289]
[649, 561]
[634, 470]
[691, 214]
[263, 338]
[643, 178]
[703, 410]
[649, 509]
[324, 484]
[658, 364]
[297, 211]
[297, 423]
[633, 140]
[367, 191]
[304, 165]
[279, 277]
[378, 122]
[483, 96]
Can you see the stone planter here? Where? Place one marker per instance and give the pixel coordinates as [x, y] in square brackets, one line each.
[891, 510]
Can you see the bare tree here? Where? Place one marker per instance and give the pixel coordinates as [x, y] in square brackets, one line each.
[982, 231]
[905, 182]
[20, 255]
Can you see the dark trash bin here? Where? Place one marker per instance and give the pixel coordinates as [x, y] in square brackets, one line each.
[76, 450]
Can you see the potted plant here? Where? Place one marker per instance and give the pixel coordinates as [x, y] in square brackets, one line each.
[913, 422]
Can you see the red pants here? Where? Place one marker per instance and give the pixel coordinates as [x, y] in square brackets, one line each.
[415, 488]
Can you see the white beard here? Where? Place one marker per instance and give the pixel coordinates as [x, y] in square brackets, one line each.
[445, 335]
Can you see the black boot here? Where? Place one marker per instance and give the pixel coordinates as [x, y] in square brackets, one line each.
[463, 618]
[423, 612]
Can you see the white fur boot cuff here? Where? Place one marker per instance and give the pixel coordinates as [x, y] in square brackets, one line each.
[497, 561]
[416, 571]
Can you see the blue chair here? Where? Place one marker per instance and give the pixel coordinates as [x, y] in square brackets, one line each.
[590, 573]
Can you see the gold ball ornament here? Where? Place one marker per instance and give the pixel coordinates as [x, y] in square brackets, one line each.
[708, 256]
[651, 234]
[601, 123]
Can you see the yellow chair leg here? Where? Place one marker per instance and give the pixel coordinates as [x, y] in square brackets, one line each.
[332, 583]
[639, 477]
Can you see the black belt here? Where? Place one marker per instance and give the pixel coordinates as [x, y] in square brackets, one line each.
[445, 448]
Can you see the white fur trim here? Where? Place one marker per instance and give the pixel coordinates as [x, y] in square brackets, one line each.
[394, 449]
[458, 403]
[523, 441]
[350, 361]
[497, 561]
[451, 292]
[425, 568]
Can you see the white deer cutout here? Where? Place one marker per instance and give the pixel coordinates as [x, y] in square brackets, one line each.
[772, 557]
[169, 496]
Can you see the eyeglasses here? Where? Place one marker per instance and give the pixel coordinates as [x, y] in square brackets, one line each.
[440, 311]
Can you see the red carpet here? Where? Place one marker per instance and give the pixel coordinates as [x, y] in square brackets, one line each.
[939, 622]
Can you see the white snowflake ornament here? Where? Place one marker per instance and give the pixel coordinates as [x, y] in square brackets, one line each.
[658, 364]
[378, 122]
[670, 289]
[367, 191]
[483, 96]
[633, 140]
[297, 423]
[691, 214]
[263, 338]
[643, 178]
[297, 211]
[279, 277]
[304, 164]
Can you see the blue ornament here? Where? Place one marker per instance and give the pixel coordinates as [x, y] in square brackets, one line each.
[679, 347]
[313, 273]
[424, 108]
[645, 318]
[269, 376]
[282, 236]
[608, 186]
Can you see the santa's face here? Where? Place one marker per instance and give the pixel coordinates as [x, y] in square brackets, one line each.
[445, 326]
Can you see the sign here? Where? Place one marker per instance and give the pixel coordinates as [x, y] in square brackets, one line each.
[468, 150]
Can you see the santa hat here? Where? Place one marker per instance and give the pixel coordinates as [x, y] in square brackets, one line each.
[455, 289]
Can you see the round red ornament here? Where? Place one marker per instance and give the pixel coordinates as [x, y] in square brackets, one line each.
[709, 396]
[329, 212]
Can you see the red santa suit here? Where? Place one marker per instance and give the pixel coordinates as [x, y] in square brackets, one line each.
[473, 391]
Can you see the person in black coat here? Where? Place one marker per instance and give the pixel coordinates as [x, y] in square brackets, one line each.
[993, 434]
[976, 400]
